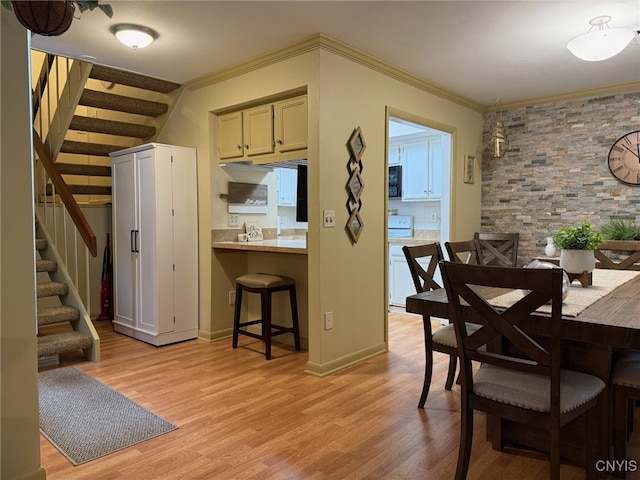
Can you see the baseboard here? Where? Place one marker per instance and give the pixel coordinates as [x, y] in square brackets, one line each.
[324, 369]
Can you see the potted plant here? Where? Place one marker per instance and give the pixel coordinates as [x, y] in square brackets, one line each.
[620, 229]
[577, 244]
[622, 243]
[51, 17]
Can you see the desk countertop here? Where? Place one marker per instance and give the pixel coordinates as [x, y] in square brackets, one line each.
[274, 246]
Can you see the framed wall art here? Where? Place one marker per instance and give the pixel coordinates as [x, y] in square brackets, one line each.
[469, 169]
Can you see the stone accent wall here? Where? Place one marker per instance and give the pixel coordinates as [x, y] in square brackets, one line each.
[555, 172]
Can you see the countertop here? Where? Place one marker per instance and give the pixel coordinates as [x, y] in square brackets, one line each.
[275, 246]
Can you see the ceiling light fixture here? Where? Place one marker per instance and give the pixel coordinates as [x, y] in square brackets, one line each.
[134, 36]
[601, 43]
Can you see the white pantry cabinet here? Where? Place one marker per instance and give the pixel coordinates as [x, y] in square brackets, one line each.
[155, 232]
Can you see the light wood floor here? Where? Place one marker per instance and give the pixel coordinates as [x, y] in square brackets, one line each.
[241, 417]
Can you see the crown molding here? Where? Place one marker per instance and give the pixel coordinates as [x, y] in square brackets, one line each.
[323, 42]
[593, 92]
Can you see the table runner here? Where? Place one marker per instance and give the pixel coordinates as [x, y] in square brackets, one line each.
[579, 298]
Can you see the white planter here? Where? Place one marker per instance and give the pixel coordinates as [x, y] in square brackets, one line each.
[577, 261]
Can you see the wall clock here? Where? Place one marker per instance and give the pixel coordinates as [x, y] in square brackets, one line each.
[624, 158]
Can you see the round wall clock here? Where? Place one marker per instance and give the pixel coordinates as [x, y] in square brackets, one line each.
[624, 158]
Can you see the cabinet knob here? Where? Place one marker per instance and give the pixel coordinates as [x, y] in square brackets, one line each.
[279, 142]
[246, 146]
[239, 147]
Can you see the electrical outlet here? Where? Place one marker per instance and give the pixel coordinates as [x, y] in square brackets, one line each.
[328, 320]
[434, 217]
[234, 220]
[232, 297]
[329, 218]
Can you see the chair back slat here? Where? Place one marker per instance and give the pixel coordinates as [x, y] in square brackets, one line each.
[624, 255]
[498, 248]
[467, 287]
[463, 252]
[423, 279]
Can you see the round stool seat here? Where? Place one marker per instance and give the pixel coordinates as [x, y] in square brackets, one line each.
[264, 280]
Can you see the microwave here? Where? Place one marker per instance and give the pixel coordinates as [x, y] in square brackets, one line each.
[395, 181]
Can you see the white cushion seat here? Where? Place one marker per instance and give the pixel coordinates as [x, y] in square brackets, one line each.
[446, 335]
[531, 391]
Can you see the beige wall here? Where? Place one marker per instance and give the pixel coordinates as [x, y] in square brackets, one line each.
[19, 434]
[348, 280]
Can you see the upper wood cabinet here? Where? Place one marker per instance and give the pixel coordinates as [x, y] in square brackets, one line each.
[266, 133]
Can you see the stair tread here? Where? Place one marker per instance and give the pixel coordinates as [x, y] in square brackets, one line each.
[111, 127]
[63, 342]
[121, 103]
[51, 289]
[43, 265]
[41, 244]
[87, 148]
[84, 189]
[100, 72]
[83, 169]
[58, 314]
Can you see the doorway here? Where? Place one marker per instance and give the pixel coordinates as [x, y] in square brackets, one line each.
[418, 206]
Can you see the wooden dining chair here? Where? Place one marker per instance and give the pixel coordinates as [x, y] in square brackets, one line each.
[622, 255]
[463, 252]
[523, 384]
[626, 390]
[497, 248]
[423, 263]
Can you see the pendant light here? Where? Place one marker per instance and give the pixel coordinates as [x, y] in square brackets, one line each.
[497, 143]
[601, 41]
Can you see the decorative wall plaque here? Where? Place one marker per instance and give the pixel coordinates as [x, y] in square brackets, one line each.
[355, 184]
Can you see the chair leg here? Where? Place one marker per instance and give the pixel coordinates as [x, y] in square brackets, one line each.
[236, 316]
[466, 438]
[592, 445]
[451, 375]
[266, 322]
[294, 317]
[554, 453]
[428, 371]
[621, 403]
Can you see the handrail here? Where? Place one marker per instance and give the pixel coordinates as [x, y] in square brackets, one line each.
[65, 194]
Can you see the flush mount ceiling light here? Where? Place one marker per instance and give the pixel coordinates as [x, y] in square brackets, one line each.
[601, 41]
[134, 36]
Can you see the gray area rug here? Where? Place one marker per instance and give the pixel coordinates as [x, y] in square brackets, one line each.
[85, 419]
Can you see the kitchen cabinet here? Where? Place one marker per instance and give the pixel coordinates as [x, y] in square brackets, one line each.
[155, 232]
[400, 281]
[265, 133]
[421, 159]
[287, 186]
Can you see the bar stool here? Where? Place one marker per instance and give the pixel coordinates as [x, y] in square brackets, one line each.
[626, 389]
[265, 284]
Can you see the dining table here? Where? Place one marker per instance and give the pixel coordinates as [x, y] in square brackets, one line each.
[597, 322]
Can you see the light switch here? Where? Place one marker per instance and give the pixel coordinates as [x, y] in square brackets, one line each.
[329, 218]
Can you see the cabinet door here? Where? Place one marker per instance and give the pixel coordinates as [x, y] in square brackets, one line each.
[125, 226]
[258, 130]
[291, 125]
[287, 183]
[185, 240]
[400, 283]
[415, 172]
[434, 189]
[230, 143]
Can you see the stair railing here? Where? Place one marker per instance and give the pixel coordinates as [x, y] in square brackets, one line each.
[56, 94]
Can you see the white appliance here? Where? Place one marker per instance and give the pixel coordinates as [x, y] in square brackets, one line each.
[400, 226]
[155, 231]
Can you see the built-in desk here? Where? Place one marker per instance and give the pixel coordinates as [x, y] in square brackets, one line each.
[274, 246]
[231, 259]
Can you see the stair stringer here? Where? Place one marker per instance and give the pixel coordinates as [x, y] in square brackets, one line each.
[73, 298]
[69, 99]
[161, 121]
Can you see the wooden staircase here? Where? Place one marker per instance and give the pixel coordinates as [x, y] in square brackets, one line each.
[112, 121]
[101, 110]
[59, 323]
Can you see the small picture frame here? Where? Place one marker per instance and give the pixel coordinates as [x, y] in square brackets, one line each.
[469, 170]
[356, 185]
[356, 144]
[254, 232]
[354, 226]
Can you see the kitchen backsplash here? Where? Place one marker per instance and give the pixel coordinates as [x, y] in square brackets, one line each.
[426, 215]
